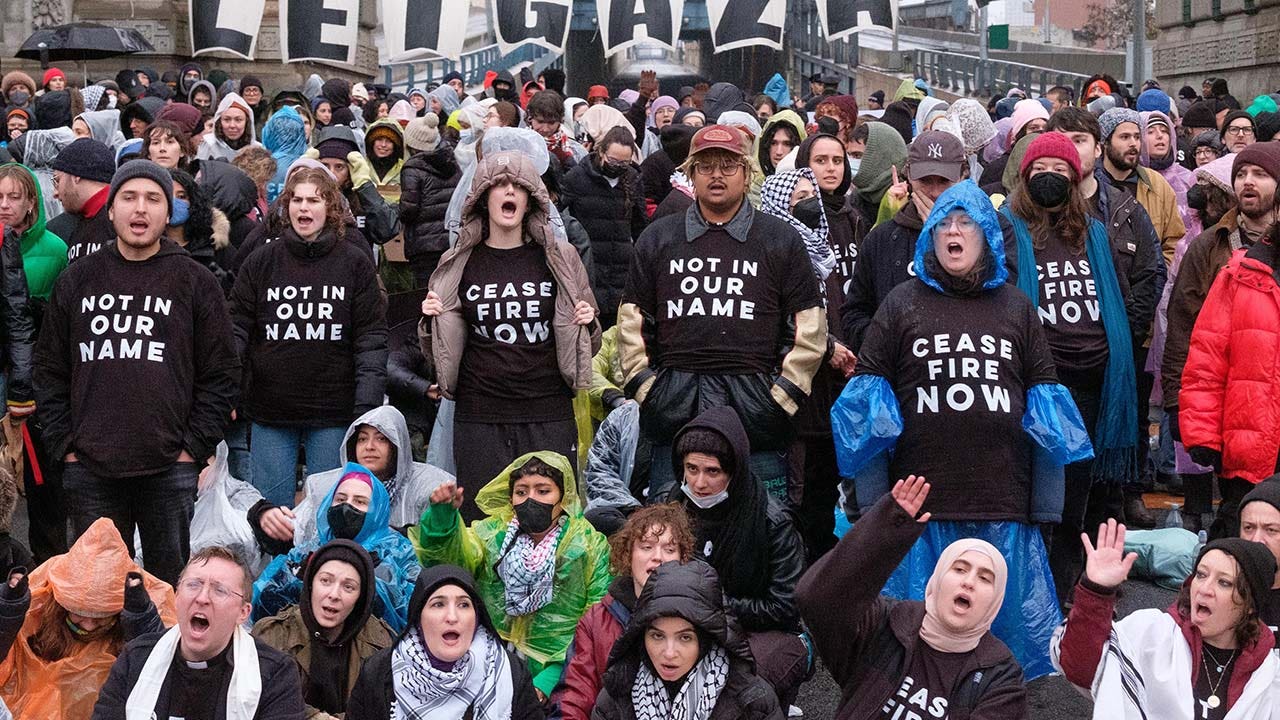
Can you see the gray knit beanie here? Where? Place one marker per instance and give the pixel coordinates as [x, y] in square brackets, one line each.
[1112, 119]
[142, 169]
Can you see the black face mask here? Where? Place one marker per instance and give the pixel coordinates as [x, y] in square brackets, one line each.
[1196, 199]
[809, 212]
[345, 521]
[1049, 189]
[612, 170]
[506, 94]
[534, 516]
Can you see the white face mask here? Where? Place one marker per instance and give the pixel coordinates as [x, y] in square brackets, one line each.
[708, 502]
[111, 102]
[854, 164]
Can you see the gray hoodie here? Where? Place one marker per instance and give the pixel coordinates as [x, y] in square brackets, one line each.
[213, 147]
[410, 488]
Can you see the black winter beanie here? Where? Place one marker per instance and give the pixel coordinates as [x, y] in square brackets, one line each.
[1267, 491]
[89, 159]
[1200, 115]
[142, 169]
[1257, 564]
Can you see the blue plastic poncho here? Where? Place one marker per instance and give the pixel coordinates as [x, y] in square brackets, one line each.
[395, 566]
[777, 89]
[285, 137]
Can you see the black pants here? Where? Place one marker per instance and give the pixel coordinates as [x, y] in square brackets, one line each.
[46, 506]
[1085, 504]
[482, 450]
[815, 489]
[159, 506]
[1226, 523]
[1197, 490]
[1145, 481]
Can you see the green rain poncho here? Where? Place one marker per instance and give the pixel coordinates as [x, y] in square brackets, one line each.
[582, 567]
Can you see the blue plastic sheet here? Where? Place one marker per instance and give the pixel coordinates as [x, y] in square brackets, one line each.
[1030, 612]
[1053, 421]
[865, 421]
[1165, 556]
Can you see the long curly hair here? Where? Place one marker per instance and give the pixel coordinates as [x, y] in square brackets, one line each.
[650, 522]
[333, 215]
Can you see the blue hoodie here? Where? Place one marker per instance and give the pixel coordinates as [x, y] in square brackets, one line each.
[285, 137]
[396, 566]
[969, 197]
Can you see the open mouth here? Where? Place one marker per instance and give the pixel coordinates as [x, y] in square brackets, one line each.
[450, 636]
[668, 671]
[955, 249]
[963, 603]
[199, 623]
[303, 221]
[1201, 612]
[508, 208]
[139, 227]
[330, 611]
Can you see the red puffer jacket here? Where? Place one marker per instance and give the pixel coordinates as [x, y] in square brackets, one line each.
[588, 656]
[1230, 397]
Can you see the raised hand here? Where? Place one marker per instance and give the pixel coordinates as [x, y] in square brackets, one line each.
[910, 495]
[648, 84]
[899, 189]
[1107, 565]
[447, 493]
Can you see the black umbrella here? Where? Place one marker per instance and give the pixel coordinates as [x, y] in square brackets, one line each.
[82, 41]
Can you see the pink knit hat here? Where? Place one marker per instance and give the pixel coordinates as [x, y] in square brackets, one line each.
[1024, 112]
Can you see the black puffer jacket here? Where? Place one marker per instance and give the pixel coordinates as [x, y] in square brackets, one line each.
[690, 591]
[754, 543]
[16, 319]
[233, 192]
[613, 217]
[427, 181]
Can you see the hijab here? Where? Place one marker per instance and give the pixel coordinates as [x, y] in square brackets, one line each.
[932, 630]
[775, 200]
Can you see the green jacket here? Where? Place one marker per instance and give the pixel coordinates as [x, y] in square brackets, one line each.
[582, 567]
[44, 255]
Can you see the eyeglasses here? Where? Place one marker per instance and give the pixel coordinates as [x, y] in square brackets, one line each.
[1240, 130]
[963, 223]
[1206, 152]
[194, 586]
[727, 169]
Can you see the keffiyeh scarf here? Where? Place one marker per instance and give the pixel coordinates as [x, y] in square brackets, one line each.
[696, 698]
[480, 681]
[528, 569]
[775, 199]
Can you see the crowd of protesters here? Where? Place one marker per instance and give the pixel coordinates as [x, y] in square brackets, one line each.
[492, 402]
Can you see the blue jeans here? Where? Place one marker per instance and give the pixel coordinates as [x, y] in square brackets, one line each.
[274, 452]
[238, 460]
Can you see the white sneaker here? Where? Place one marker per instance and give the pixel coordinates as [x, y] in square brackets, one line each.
[794, 712]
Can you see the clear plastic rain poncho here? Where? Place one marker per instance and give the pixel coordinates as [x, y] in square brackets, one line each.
[493, 140]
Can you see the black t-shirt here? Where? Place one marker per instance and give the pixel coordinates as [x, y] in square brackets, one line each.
[1069, 308]
[1210, 683]
[926, 684]
[1270, 612]
[509, 370]
[720, 305]
[961, 368]
[195, 687]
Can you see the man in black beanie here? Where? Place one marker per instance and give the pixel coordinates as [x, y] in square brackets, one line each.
[136, 375]
[81, 177]
[1260, 523]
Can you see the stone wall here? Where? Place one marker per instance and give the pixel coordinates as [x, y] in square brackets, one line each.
[164, 24]
[1242, 45]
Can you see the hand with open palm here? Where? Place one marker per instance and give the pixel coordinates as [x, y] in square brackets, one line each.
[1106, 564]
[910, 495]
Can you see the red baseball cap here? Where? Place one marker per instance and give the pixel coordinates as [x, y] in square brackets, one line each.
[597, 91]
[718, 137]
